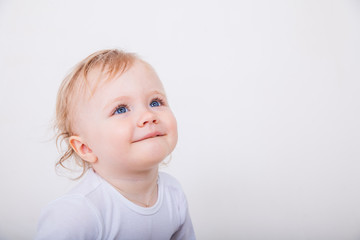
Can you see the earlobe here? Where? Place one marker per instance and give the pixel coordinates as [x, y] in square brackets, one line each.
[82, 149]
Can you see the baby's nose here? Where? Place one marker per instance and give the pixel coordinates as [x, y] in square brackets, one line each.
[148, 118]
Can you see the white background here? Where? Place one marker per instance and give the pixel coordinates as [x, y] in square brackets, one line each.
[266, 94]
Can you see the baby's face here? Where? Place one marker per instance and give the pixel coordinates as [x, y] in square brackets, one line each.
[127, 123]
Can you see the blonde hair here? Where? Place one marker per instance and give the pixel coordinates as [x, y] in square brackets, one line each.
[108, 63]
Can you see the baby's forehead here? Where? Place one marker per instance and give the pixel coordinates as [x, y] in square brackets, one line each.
[99, 76]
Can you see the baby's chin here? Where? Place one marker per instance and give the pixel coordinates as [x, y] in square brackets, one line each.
[147, 163]
[153, 153]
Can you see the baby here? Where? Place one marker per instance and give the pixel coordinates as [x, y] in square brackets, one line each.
[113, 114]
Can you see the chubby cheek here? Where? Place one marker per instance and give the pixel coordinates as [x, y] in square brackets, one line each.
[172, 130]
[112, 140]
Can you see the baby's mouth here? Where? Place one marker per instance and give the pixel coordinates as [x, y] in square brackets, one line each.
[150, 135]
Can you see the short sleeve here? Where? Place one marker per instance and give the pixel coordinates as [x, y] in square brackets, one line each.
[70, 217]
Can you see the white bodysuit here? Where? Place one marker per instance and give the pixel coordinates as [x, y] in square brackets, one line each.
[95, 210]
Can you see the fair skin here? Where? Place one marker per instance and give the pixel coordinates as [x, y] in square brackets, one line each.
[125, 129]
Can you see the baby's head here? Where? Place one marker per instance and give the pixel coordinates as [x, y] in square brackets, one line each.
[113, 114]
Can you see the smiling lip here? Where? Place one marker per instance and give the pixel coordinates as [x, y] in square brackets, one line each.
[150, 135]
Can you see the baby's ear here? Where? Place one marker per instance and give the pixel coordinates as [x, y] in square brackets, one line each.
[82, 149]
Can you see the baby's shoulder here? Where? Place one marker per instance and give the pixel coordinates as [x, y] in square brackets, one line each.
[169, 180]
[70, 204]
[75, 213]
[171, 185]
[70, 216]
[73, 204]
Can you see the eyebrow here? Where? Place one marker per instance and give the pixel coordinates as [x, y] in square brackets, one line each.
[118, 99]
[157, 92]
[126, 98]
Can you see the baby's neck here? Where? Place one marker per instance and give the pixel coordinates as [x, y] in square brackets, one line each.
[140, 188]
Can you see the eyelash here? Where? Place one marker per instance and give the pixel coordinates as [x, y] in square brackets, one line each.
[121, 106]
[160, 100]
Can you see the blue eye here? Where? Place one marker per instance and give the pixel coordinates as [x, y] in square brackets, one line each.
[155, 103]
[121, 109]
